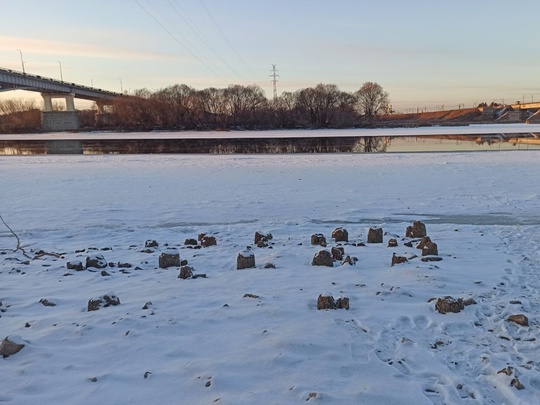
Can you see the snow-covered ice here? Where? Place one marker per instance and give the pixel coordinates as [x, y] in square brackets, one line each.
[202, 341]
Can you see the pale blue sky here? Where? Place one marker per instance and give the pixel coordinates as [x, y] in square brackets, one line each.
[424, 53]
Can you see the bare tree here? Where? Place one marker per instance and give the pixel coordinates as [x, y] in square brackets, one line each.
[372, 100]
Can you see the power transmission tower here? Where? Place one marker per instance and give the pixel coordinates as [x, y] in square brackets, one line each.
[274, 77]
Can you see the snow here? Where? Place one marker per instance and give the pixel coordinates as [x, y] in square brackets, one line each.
[200, 341]
[474, 129]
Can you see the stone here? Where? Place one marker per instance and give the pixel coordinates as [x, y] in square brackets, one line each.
[105, 301]
[323, 258]
[262, 237]
[147, 305]
[430, 249]
[342, 303]
[347, 260]
[417, 230]
[449, 304]
[185, 272]
[431, 259]
[190, 242]
[398, 259]
[392, 242]
[423, 242]
[318, 239]
[337, 253]
[105, 273]
[123, 265]
[207, 241]
[375, 235]
[516, 384]
[75, 265]
[251, 296]
[519, 319]
[151, 244]
[97, 261]
[169, 260]
[8, 348]
[245, 260]
[340, 235]
[269, 266]
[200, 236]
[46, 302]
[325, 301]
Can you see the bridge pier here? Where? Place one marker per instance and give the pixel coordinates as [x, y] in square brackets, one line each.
[55, 121]
[103, 116]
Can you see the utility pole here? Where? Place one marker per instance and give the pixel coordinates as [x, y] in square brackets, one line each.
[22, 61]
[61, 75]
[274, 77]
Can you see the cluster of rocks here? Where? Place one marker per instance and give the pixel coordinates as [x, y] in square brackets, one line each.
[104, 301]
[326, 301]
[96, 261]
[450, 304]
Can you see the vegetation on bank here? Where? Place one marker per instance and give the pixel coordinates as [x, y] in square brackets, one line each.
[181, 107]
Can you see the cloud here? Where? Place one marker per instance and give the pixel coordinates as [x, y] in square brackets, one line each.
[63, 48]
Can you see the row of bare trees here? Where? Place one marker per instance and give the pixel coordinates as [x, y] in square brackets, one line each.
[181, 107]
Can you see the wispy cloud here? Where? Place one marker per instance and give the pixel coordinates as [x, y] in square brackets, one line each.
[62, 48]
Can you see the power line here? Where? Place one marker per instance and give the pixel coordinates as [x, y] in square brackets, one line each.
[226, 39]
[189, 22]
[180, 43]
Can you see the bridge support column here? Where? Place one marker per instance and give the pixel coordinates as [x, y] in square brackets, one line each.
[103, 116]
[55, 121]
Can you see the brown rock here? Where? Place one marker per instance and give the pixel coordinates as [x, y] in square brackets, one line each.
[105, 301]
[323, 258]
[340, 235]
[325, 302]
[75, 265]
[516, 384]
[519, 319]
[169, 260]
[337, 253]
[347, 260]
[245, 260]
[375, 235]
[318, 239]
[342, 303]
[190, 242]
[417, 230]
[151, 244]
[207, 241]
[423, 242]
[430, 249]
[392, 243]
[7, 347]
[264, 237]
[185, 272]
[201, 236]
[97, 262]
[398, 259]
[449, 304]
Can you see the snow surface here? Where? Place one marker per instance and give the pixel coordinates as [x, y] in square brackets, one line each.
[202, 342]
[475, 129]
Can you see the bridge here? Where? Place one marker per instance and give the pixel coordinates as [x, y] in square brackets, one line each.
[50, 89]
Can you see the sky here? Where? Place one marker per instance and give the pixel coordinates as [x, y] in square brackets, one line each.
[427, 54]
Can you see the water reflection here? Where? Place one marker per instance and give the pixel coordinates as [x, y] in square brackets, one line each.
[451, 143]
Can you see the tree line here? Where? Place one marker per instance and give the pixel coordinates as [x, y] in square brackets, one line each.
[181, 107]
